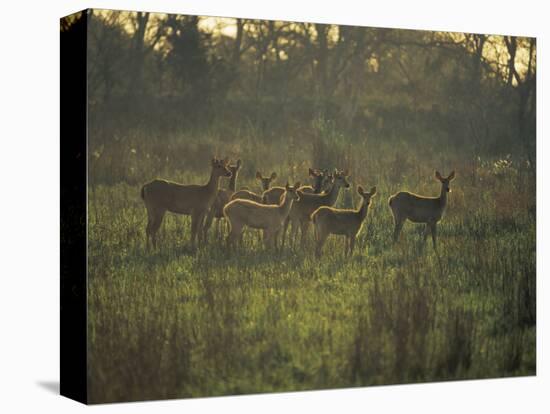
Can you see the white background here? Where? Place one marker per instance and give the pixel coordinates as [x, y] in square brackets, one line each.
[29, 205]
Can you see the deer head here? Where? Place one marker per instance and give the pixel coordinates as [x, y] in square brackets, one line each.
[266, 181]
[445, 182]
[292, 191]
[219, 167]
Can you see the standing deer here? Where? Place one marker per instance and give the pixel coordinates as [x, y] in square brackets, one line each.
[223, 197]
[269, 218]
[318, 177]
[273, 195]
[330, 220]
[301, 211]
[161, 196]
[249, 195]
[419, 209]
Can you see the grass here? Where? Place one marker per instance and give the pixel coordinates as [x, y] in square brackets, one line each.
[180, 323]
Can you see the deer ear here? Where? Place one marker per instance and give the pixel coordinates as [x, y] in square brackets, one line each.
[372, 191]
[273, 175]
[360, 190]
[297, 185]
[451, 176]
[258, 175]
[438, 176]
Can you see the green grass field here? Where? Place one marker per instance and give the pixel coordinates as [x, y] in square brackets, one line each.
[181, 323]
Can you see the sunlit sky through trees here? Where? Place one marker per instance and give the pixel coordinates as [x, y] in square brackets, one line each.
[494, 50]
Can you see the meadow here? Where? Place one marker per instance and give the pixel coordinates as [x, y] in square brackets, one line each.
[178, 322]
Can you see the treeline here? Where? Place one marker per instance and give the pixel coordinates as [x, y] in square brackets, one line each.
[173, 71]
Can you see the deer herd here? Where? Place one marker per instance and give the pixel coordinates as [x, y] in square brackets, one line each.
[273, 210]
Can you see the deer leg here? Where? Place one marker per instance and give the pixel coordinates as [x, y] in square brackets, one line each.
[200, 234]
[230, 238]
[433, 227]
[276, 238]
[218, 228]
[351, 245]
[196, 221]
[303, 227]
[285, 227]
[155, 225]
[346, 246]
[231, 235]
[397, 230]
[427, 230]
[268, 238]
[322, 238]
[293, 233]
[150, 219]
[207, 223]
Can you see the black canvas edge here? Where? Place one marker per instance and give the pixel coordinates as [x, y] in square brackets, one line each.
[73, 208]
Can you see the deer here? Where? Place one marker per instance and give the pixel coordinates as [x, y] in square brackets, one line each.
[318, 177]
[273, 195]
[223, 197]
[195, 200]
[301, 211]
[267, 217]
[249, 195]
[329, 220]
[420, 209]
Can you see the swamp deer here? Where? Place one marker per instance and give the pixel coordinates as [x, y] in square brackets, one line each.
[161, 196]
[273, 195]
[223, 197]
[269, 218]
[419, 209]
[330, 220]
[300, 213]
[249, 195]
[318, 177]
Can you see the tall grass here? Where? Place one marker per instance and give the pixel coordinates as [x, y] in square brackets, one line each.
[181, 323]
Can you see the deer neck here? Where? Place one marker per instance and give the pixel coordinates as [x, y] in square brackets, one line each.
[233, 182]
[363, 210]
[286, 204]
[332, 195]
[317, 186]
[213, 182]
[443, 197]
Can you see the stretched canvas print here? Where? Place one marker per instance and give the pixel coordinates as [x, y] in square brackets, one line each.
[254, 206]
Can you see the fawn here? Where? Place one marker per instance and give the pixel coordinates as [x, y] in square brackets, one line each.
[161, 196]
[330, 220]
[223, 197]
[267, 217]
[249, 195]
[420, 209]
[301, 211]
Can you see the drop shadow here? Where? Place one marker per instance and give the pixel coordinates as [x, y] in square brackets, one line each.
[51, 386]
